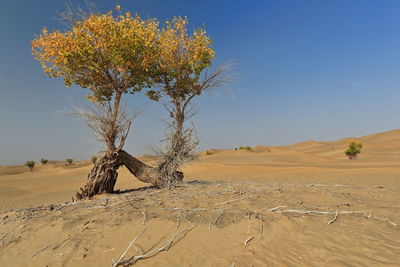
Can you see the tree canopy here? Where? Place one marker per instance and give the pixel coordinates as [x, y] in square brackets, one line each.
[107, 54]
[182, 58]
[353, 150]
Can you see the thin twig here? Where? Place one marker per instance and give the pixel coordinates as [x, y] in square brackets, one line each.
[126, 250]
[261, 228]
[248, 240]
[178, 221]
[232, 200]
[334, 219]
[60, 243]
[155, 251]
[145, 217]
[215, 221]
[40, 250]
[276, 208]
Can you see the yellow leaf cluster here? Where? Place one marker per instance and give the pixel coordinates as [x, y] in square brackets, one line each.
[104, 53]
[125, 53]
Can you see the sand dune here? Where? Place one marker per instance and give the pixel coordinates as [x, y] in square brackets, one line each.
[313, 176]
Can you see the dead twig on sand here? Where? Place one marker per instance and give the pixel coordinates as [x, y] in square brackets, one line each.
[215, 221]
[232, 200]
[334, 218]
[60, 243]
[318, 212]
[178, 220]
[117, 263]
[40, 250]
[276, 208]
[248, 240]
[178, 236]
[261, 228]
[145, 217]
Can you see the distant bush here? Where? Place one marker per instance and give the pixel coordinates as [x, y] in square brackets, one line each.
[353, 150]
[208, 153]
[30, 164]
[245, 148]
[44, 161]
[69, 161]
[236, 148]
[93, 159]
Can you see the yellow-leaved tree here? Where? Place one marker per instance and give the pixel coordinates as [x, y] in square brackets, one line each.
[182, 75]
[110, 55]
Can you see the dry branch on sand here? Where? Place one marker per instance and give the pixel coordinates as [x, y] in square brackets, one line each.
[232, 200]
[334, 218]
[40, 250]
[152, 252]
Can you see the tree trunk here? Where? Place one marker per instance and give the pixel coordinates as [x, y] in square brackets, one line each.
[103, 176]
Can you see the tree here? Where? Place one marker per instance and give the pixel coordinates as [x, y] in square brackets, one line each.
[93, 159]
[110, 56]
[69, 162]
[30, 164]
[43, 161]
[353, 150]
[182, 75]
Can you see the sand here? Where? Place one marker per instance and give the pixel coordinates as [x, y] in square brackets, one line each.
[228, 199]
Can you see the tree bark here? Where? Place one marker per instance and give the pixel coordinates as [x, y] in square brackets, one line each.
[103, 176]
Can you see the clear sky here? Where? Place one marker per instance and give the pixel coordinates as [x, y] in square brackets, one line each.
[308, 69]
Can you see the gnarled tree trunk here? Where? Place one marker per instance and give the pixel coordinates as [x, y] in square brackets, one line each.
[103, 175]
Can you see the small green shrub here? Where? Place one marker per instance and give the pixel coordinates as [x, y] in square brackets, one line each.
[245, 148]
[353, 150]
[208, 153]
[236, 148]
[30, 164]
[44, 161]
[93, 159]
[69, 162]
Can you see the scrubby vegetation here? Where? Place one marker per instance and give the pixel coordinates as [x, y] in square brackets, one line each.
[69, 162]
[353, 150]
[43, 161]
[93, 159]
[30, 164]
[244, 148]
[208, 153]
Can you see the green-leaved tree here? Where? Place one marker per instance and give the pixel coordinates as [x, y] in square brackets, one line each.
[353, 150]
[30, 164]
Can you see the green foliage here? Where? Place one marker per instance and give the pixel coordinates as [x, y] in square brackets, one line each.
[245, 148]
[43, 161]
[208, 153]
[93, 159]
[353, 150]
[236, 148]
[69, 161]
[30, 164]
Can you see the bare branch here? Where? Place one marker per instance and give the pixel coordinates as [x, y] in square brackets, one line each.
[98, 117]
[74, 13]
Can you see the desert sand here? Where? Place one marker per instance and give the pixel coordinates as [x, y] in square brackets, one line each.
[298, 205]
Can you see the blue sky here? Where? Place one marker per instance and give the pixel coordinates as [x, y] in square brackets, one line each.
[307, 69]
